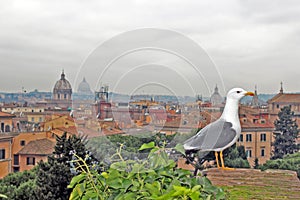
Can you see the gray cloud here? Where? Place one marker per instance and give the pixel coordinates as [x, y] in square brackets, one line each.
[251, 42]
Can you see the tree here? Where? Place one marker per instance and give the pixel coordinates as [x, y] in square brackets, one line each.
[286, 130]
[235, 156]
[19, 185]
[54, 176]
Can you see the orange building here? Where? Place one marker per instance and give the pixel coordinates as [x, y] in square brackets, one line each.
[5, 154]
[22, 151]
[58, 121]
[257, 138]
[284, 99]
[34, 152]
[21, 141]
[6, 122]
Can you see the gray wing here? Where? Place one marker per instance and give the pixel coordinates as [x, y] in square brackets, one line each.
[214, 136]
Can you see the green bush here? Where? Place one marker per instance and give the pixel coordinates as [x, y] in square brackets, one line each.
[19, 185]
[288, 162]
[153, 178]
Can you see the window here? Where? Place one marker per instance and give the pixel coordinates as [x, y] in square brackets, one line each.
[2, 154]
[277, 106]
[40, 119]
[16, 159]
[22, 142]
[2, 127]
[262, 152]
[18, 126]
[58, 96]
[249, 153]
[65, 96]
[7, 128]
[241, 138]
[30, 160]
[248, 137]
[32, 119]
[16, 169]
[263, 137]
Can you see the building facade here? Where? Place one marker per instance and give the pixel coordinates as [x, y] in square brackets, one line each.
[6, 122]
[5, 154]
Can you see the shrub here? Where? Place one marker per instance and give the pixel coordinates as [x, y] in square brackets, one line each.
[288, 162]
[153, 178]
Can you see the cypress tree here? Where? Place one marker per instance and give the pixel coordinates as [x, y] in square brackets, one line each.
[54, 176]
[286, 133]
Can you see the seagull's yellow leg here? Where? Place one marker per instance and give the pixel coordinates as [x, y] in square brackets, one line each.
[217, 159]
[222, 162]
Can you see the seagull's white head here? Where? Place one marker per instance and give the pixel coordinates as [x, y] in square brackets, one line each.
[238, 93]
[230, 112]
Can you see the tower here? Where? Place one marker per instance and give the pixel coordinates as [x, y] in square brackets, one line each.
[281, 88]
[62, 91]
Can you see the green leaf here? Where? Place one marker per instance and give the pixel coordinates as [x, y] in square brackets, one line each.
[180, 190]
[120, 166]
[105, 175]
[74, 195]
[115, 183]
[126, 184]
[77, 179]
[194, 195]
[196, 188]
[3, 196]
[137, 168]
[154, 188]
[80, 189]
[179, 147]
[149, 145]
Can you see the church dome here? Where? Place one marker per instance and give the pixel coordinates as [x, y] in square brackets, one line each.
[84, 87]
[62, 88]
[216, 98]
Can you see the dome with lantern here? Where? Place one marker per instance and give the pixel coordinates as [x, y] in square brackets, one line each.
[216, 98]
[84, 88]
[62, 89]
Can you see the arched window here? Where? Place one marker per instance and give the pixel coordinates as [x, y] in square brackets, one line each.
[18, 126]
[2, 127]
[7, 128]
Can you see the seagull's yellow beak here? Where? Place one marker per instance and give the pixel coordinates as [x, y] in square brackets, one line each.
[249, 94]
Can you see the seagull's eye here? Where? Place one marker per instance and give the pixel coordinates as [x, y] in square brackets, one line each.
[238, 92]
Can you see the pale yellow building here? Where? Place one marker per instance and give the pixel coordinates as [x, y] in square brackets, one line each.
[256, 137]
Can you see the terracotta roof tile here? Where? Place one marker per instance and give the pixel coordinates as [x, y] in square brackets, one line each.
[4, 114]
[256, 125]
[71, 129]
[285, 98]
[38, 147]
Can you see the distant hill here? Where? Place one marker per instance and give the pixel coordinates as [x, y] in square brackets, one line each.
[262, 97]
[117, 97]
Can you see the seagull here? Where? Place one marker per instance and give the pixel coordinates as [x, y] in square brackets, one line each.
[223, 132]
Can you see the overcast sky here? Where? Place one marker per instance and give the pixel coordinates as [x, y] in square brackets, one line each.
[250, 42]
